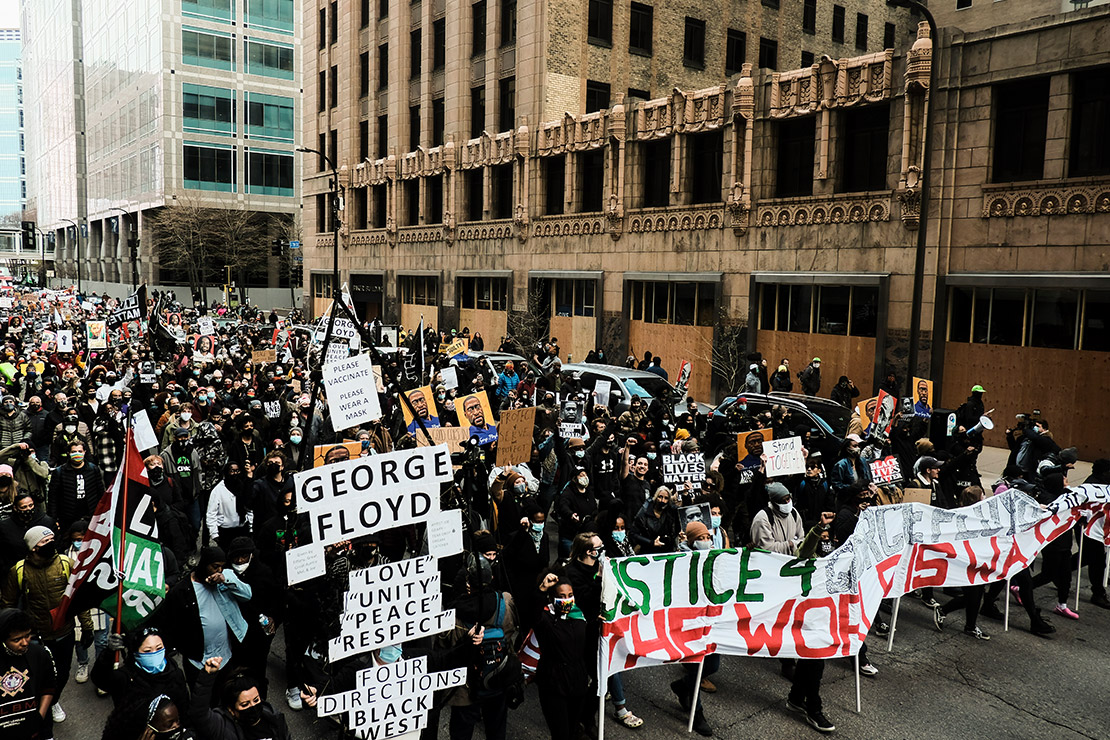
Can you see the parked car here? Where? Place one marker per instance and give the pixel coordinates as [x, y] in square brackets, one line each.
[495, 361]
[818, 412]
[625, 383]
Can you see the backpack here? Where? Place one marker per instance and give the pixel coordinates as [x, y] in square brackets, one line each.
[496, 670]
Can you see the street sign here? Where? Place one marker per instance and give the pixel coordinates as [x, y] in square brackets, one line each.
[298, 258]
[294, 245]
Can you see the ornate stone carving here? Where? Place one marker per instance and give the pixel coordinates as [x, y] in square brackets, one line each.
[422, 163]
[919, 59]
[449, 230]
[502, 229]
[832, 84]
[1007, 201]
[614, 214]
[568, 226]
[419, 234]
[487, 149]
[838, 210]
[520, 222]
[739, 207]
[573, 133]
[668, 219]
[910, 200]
[684, 111]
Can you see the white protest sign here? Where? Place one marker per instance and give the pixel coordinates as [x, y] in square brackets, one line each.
[368, 494]
[784, 457]
[6, 301]
[886, 470]
[206, 325]
[450, 377]
[345, 331]
[352, 397]
[145, 438]
[392, 699]
[445, 534]
[678, 469]
[304, 563]
[601, 391]
[337, 351]
[390, 604]
[65, 340]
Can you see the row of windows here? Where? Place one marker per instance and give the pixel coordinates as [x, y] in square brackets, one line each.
[207, 167]
[420, 290]
[641, 26]
[682, 304]
[270, 15]
[212, 110]
[1055, 318]
[574, 297]
[843, 310]
[217, 51]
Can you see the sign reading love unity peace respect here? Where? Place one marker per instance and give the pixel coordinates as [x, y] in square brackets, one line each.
[680, 606]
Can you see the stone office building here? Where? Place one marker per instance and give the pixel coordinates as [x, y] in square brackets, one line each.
[644, 203]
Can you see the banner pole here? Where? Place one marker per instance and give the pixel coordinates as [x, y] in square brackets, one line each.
[893, 624]
[601, 717]
[127, 439]
[859, 706]
[694, 701]
[1106, 567]
[1006, 616]
[1079, 570]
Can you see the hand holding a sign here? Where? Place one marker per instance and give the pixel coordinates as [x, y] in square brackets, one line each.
[478, 633]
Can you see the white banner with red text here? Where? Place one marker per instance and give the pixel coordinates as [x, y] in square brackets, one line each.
[675, 607]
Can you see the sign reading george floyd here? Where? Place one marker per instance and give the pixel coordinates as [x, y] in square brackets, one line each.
[368, 494]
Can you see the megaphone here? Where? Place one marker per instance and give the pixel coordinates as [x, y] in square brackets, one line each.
[985, 422]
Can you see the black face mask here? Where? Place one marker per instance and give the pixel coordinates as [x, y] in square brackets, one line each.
[156, 475]
[26, 517]
[251, 716]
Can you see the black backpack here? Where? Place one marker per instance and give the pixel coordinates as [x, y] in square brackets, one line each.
[496, 670]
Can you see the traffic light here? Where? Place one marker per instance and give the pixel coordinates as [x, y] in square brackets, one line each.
[29, 235]
[276, 246]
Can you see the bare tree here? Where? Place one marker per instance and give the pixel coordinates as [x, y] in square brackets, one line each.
[180, 234]
[727, 351]
[530, 327]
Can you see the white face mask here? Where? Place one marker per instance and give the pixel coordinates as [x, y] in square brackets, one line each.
[241, 568]
[702, 544]
[786, 508]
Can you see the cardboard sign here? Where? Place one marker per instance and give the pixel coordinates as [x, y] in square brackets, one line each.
[304, 563]
[450, 436]
[368, 494]
[922, 397]
[885, 471]
[346, 332]
[572, 429]
[866, 409]
[678, 469]
[206, 326]
[784, 457]
[391, 700]
[474, 413]
[750, 447]
[450, 377]
[352, 398]
[145, 438]
[337, 351]
[96, 334]
[262, 356]
[514, 436]
[456, 348]
[601, 392]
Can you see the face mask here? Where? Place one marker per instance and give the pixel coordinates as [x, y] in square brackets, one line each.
[70, 428]
[703, 544]
[786, 508]
[152, 662]
[390, 654]
[580, 454]
[186, 416]
[584, 480]
[155, 474]
[619, 535]
[77, 457]
[743, 407]
[441, 396]
[537, 527]
[296, 439]
[650, 455]
[563, 606]
[9, 407]
[251, 715]
[240, 568]
[715, 521]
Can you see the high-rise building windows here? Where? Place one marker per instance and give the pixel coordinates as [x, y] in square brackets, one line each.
[597, 96]
[508, 22]
[809, 16]
[599, 23]
[206, 167]
[478, 28]
[205, 49]
[888, 35]
[640, 27]
[838, 24]
[477, 111]
[217, 10]
[1020, 130]
[736, 51]
[269, 173]
[768, 53]
[506, 117]
[333, 29]
[439, 44]
[270, 59]
[861, 31]
[208, 110]
[364, 74]
[333, 88]
[383, 66]
[439, 122]
[693, 44]
[414, 127]
[269, 117]
[414, 53]
[794, 168]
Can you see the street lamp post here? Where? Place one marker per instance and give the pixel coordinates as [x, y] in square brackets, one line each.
[77, 241]
[133, 248]
[42, 258]
[923, 214]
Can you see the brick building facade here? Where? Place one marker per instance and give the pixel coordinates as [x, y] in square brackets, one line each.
[724, 203]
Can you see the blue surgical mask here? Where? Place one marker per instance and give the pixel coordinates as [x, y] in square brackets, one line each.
[152, 662]
[715, 520]
[619, 535]
[390, 654]
[650, 456]
[295, 439]
[537, 527]
[580, 454]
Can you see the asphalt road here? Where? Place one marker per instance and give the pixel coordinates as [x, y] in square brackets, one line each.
[933, 685]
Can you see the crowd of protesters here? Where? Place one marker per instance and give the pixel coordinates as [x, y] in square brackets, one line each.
[234, 426]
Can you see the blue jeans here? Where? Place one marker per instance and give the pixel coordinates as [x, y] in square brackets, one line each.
[616, 690]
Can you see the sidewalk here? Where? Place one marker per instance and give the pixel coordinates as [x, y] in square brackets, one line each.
[993, 459]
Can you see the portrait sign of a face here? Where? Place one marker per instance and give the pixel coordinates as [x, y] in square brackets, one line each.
[923, 397]
[423, 405]
[751, 446]
[474, 411]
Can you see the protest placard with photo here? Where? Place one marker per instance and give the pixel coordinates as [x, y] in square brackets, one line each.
[424, 404]
[696, 513]
[922, 397]
[866, 410]
[750, 449]
[96, 334]
[883, 417]
[333, 453]
[473, 412]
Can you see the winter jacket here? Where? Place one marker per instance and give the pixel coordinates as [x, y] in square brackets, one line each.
[130, 680]
[780, 380]
[777, 533]
[843, 394]
[218, 724]
[646, 527]
[507, 382]
[40, 587]
[74, 493]
[31, 474]
[14, 429]
[810, 379]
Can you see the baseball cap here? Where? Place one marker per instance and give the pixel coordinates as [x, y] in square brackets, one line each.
[816, 359]
[978, 389]
[36, 535]
[929, 462]
[6, 470]
[855, 438]
[181, 432]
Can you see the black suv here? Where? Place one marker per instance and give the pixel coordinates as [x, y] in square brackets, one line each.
[829, 418]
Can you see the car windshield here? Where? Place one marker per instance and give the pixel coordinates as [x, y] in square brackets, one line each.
[647, 387]
[835, 418]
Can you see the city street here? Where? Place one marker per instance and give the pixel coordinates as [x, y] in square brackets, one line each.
[937, 684]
